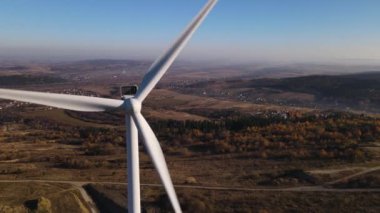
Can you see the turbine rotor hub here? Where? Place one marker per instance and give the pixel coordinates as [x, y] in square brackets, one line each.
[132, 106]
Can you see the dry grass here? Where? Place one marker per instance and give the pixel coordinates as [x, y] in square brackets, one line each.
[168, 99]
[34, 157]
[199, 200]
[59, 116]
[62, 196]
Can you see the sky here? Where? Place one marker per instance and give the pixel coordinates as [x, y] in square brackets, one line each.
[236, 30]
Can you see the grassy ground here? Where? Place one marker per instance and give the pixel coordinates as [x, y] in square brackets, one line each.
[24, 197]
[198, 200]
[28, 152]
[59, 115]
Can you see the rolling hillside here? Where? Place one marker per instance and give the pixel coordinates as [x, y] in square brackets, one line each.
[356, 91]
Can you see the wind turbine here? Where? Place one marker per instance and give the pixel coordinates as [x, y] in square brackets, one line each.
[135, 122]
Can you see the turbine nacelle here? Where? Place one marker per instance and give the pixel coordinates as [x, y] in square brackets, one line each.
[128, 91]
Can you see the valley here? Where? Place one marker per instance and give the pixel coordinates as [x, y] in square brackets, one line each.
[224, 153]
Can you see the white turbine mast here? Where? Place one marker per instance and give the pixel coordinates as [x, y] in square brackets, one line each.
[135, 122]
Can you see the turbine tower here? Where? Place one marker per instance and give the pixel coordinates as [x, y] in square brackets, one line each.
[135, 122]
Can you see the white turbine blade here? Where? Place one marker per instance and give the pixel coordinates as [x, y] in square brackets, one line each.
[155, 152]
[162, 64]
[71, 102]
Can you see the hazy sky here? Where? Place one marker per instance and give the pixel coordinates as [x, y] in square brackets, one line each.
[237, 30]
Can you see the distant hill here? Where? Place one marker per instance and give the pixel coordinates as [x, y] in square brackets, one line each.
[12, 68]
[15, 80]
[354, 87]
[357, 91]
